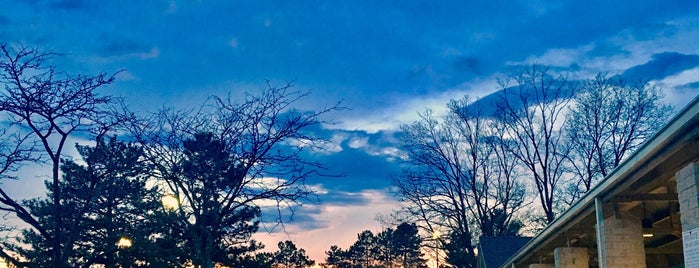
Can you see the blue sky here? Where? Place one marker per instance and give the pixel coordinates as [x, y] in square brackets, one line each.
[386, 60]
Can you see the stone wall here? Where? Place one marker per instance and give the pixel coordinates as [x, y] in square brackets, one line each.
[624, 243]
[571, 258]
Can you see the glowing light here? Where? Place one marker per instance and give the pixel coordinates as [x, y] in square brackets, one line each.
[124, 242]
[647, 235]
[170, 202]
[436, 234]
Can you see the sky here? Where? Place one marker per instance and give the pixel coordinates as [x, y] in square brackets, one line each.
[385, 60]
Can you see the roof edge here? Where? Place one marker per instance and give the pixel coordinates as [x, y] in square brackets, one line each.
[660, 137]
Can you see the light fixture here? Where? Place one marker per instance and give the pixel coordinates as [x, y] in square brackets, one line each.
[647, 224]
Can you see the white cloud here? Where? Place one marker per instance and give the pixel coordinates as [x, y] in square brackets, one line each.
[265, 182]
[682, 40]
[153, 53]
[684, 77]
[318, 189]
[333, 145]
[562, 57]
[393, 154]
[127, 76]
[406, 111]
[673, 94]
[631, 50]
[358, 142]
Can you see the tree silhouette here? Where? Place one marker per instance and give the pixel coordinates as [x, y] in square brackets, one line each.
[390, 247]
[44, 107]
[103, 200]
[364, 250]
[227, 157]
[337, 258]
[609, 119]
[459, 175]
[532, 110]
[289, 256]
[405, 245]
[216, 228]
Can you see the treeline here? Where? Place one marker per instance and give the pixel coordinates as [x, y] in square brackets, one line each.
[399, 247]
[187, 186]
[493, 166]
[173, 188]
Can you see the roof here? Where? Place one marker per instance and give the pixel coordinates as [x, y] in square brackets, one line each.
[493, 251]
[674, 146]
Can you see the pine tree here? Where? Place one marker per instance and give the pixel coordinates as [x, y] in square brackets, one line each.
[104, 204]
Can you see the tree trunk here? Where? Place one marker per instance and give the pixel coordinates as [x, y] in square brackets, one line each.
[57, 259]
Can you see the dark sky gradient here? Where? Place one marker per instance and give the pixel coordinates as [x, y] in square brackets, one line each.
[386, 60]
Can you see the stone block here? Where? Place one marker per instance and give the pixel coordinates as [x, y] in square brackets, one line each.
[571, 257]
[624, 242]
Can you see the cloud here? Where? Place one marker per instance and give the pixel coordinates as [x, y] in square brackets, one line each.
[560, 57]
[358, 142]
[32, 176]
[233, 42]
[405, 110]
[662, 65]
[126, 76]
[328, 146]
[680, 88]
[332, 224]
[171, 7]
[688, 86]
[606, 49]
[304, 215]
[125, 48]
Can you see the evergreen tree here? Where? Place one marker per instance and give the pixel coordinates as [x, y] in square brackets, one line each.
[337, 258]
[362, 253]
[289, 256]
[217, 228]
[457, 252]
[406, 245]
[108, 213]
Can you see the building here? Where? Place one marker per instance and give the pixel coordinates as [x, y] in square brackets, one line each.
[493, 251]
[644, 214]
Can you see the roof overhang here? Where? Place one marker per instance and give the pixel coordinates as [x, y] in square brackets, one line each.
[673, 147]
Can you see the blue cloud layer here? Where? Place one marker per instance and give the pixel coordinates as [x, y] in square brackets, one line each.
[377, 56]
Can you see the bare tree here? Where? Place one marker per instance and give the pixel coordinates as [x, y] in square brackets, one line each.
[608, 120]
[14, 152]
[532, 110]
[45, 107]
[434, 187]
[454, 178]
[259, 139]
[496, 189]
